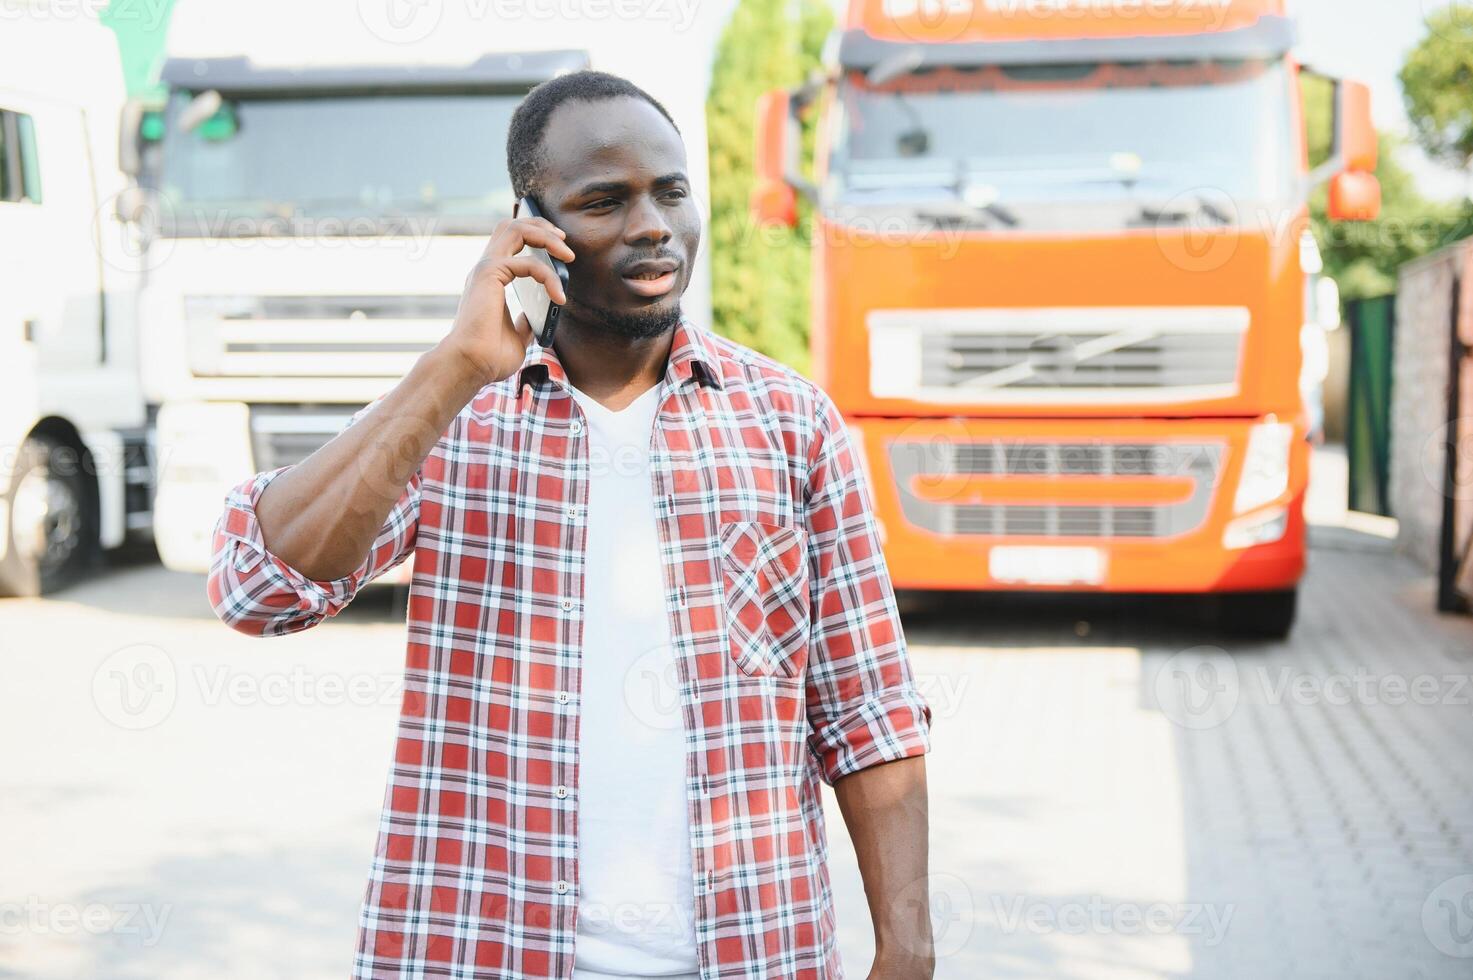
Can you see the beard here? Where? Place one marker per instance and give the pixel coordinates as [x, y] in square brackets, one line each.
[635, 326]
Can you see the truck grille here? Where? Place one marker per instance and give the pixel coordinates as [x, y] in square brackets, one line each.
[314, 336]
[1059, 355]
[284, 435]
[918, 462]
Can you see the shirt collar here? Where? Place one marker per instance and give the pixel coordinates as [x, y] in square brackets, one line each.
[692, 355]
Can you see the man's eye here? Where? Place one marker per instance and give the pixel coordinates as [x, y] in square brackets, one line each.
[603, 203]
[675, 195]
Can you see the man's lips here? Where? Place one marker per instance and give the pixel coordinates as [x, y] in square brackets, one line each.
[652, 278]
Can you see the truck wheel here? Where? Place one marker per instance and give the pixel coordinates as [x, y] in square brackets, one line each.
[51, 531]
[1264, 615]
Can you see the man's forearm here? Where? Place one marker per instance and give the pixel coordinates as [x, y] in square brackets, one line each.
[321, 517]
[885, 809]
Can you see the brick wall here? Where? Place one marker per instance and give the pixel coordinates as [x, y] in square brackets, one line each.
[1419, 397]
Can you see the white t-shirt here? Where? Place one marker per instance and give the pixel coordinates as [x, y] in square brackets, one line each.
[636, 893]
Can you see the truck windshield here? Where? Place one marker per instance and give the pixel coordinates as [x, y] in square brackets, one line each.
[329, 165]
[1026, 142]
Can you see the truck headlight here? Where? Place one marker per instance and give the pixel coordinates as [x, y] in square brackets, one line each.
[1264, 528]
[1265, 474]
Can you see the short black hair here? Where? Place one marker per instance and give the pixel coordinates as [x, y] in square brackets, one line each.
[529, 121]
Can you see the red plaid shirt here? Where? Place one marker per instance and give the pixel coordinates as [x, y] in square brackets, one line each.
[791, 663]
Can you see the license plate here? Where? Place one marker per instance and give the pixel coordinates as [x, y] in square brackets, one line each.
[1047, 566]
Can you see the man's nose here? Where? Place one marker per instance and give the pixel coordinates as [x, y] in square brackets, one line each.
[646, 224]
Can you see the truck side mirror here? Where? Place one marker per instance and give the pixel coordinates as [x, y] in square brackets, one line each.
[773, 200]
[131, 203]
[130, 138]
[1354, 196]
[1355, 193]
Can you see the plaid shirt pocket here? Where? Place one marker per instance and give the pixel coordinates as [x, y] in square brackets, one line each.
[764, 578]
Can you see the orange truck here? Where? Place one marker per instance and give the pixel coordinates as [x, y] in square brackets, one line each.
[1061, 267]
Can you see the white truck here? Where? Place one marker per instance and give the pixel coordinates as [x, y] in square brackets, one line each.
[318, 197]
[75, 476]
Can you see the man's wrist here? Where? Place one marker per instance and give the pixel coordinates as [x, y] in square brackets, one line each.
[451, 366]
[904, 961]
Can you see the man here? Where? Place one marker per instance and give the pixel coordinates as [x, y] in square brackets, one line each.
[648, 615]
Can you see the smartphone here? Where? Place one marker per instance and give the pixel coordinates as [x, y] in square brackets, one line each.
[532, 296]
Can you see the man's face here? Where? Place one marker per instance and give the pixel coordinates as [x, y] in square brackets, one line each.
[614, 179]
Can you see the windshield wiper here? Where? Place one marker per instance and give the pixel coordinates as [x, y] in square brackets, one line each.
[1159, 213]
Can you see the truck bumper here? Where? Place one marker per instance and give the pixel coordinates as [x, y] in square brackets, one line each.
[1087, 505]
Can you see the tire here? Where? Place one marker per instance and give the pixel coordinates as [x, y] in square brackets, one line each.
[52, 532]
[1262, 615]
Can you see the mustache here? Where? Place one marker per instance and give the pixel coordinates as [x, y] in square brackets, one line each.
[662, 255]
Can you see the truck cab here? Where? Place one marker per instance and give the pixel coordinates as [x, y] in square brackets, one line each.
[1059, 287]
[316, 199]
[75, 477]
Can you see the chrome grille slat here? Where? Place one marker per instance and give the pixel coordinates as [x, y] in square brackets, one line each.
[1160, 354]
[1199, 462]
[336, 336]
[284, 435]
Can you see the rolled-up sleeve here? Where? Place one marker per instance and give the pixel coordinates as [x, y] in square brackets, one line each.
[862, 700]
[255, 592]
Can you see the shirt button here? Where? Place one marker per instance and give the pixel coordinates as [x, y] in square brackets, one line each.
[562, 887]
[562, 697]
[575, 427]
[572, 512]
[561, 792]
[567, 604]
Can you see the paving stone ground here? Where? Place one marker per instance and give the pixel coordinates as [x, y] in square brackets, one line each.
[1116, 791]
